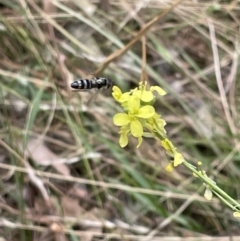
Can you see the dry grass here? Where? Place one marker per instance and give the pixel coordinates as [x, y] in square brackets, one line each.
[63, 175]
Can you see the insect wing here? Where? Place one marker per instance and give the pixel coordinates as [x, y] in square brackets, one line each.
[83, 90]
[93, 97]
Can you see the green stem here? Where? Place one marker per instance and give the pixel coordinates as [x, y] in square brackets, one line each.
[218, 191]
[211, 184]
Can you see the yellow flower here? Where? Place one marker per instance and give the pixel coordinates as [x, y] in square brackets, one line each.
[178, 159]
[171, 151]
[138, 113]
[147, 95]
[133, 119]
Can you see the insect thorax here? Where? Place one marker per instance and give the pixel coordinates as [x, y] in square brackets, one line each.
[102, 83]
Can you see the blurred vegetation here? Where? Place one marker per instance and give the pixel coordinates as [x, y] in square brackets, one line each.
[63, 174]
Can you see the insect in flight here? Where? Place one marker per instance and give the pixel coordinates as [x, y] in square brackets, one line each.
[94, 83]
[98, 83]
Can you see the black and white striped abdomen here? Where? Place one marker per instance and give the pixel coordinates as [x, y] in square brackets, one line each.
[82, 84]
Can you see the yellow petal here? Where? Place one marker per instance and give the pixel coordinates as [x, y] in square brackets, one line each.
[133, 104]
[147, 96]
[125, 106]
[161, 122]
[116, 89]
[124, 97]
[139, 141]
[146, 112]
[116, 92]
[123, 141]
[178, 159]
[208, 194]
[158, 89]
[236, 214]
[136, 128]
[169, 167]
[121, 119]
[136, 92]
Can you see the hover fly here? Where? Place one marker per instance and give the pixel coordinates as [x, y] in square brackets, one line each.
[98, 83]
[94, 83]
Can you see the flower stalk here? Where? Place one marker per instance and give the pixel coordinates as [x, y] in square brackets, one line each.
[139, 118]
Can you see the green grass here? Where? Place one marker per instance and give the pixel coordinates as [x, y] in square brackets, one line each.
[114, 193]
